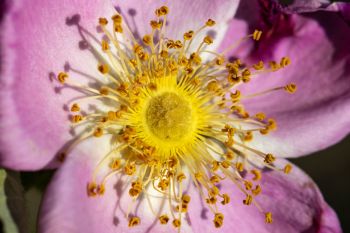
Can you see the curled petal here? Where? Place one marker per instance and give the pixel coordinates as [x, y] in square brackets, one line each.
[315, 117]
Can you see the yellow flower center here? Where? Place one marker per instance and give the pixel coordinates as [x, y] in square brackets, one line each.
[169, 117]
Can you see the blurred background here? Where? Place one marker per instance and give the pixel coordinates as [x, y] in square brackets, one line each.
[329, 168]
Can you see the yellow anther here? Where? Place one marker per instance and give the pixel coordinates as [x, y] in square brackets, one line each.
[235, 97]
[186, 198]
[274, 66]
[176, 223]
[123, 108]
[259, 65]
[214, 179]
[172, 162]
[177, 44]
[257, 190]
[91, 189]
[143, 56]
[215, 165]
[164, 53]
[219, 61]
[102, 21]
[269, 158]
[248, 200]
[62, 77]
[240, 167]
[103, 68]
[118, 19]
[152, 86]
[119, 114]
[257, 35]
[104, 45]
[230, 155]
[210, 23]
[246, 75]
[287, 169]
[248, 185]
[75, 108]
[147, 39]
[134, 221]
[188, 35]
[115, 164]
[118, 28]
[232, 68]
[248, 136]
[260, 116]
[77, 118]
[226, 199]
[180, 177]
[133, 62]
[233, 79]
[225, 164]
[257, 174]
[164, 10]
[268, 217]
[208, 40]
[133, 192]
[229, 142]
[155, 24]
[138, 48]
[183, 208]
[100, 190]
[163, 184]
[272, 125]
[98, 132]
[213, 86]
[163, 219]
[104, 91]
[218, 220]
[264, 131]
[112, 116]
[290, 88]
[130, 169]
[195, 58]
[213, 191]
[211, 200]
[285, 61]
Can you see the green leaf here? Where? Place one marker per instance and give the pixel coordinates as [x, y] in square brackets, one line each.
[12, 203]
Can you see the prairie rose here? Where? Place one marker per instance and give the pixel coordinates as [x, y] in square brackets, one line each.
[178, 141]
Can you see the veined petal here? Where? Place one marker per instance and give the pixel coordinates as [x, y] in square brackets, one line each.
[294, 200]
[67, 207]
[183, 16]
[315, 117]
[38, 38]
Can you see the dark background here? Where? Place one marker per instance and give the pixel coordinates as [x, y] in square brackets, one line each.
[330, 169]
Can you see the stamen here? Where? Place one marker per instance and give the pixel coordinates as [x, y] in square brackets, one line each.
[164, 106]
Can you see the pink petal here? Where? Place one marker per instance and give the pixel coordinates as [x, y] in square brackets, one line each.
[294, 200]
[316, 116]
[67, 208]
[183, 16]
[37, 41]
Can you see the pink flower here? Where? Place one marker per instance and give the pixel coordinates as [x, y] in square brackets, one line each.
[41, 39]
